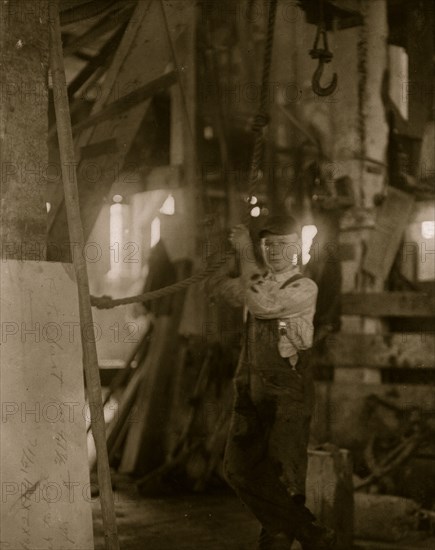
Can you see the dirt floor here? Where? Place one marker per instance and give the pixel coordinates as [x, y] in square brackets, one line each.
[213, 521]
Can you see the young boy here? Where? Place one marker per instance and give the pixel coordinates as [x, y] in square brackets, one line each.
[266, 454]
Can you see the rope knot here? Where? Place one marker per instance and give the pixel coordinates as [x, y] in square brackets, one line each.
[102, 302]
[260, 121]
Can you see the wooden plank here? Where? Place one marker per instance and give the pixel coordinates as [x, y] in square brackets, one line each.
[46, 501]
[96, 62]
[128, 101]
[146, 439]
[384, 242]
[391, 350]
[72, 11]
[101, 28]
[149, 372]
[388, 304]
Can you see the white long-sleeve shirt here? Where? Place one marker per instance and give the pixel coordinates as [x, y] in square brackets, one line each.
[267, 296]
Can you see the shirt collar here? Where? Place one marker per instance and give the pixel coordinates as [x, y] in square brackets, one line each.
[285, 276]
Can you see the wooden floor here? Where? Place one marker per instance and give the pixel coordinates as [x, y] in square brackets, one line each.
[213, 521]
[207, 522]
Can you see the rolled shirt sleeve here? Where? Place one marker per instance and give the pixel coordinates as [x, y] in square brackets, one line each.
[266, 299]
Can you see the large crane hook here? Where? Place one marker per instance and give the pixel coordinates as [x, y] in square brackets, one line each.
[315, 82]
[324, 56]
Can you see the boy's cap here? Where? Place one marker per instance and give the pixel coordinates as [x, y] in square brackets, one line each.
[279, 225]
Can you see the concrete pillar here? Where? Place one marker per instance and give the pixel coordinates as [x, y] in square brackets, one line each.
[23, 127]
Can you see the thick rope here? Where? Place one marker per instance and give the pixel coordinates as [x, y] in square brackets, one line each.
[260, 122]
[106, 302]
[262, 118]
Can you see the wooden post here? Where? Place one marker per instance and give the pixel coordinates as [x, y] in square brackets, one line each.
[69, 176]
[330, 491]
[23, 128]
[183, 128]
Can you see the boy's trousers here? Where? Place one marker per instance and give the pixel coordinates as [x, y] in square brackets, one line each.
[266, 454]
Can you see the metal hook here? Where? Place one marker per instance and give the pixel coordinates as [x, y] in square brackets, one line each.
[317, 88]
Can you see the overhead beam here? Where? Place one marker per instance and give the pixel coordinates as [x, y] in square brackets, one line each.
[72, 11]
[107, 23]
[128, 101]
[100, 59]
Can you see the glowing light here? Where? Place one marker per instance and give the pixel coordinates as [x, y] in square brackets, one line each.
[208, 132]
[253, 200]
[308, 234]
[255, 212]
[155, 232]
[428, 229]
[48, 206]
[117, 198]
[168, 206]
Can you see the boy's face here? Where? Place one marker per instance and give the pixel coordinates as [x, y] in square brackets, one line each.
[280, 251]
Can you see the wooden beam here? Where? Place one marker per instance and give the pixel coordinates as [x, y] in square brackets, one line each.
[388, 304]
[391, 221]
[128, 101]
[106, 24]
[144, 36]
[393, 350]
[90, 359]
[77, 10]
[96, 62]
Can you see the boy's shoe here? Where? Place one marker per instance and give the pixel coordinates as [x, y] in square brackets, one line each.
[315, 536]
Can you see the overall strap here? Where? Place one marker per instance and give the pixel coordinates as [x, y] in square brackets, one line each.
[292, 280]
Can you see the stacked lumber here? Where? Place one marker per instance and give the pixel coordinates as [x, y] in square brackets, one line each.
[144, 446]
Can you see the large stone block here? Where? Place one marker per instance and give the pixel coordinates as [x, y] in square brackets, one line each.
[44, 470]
